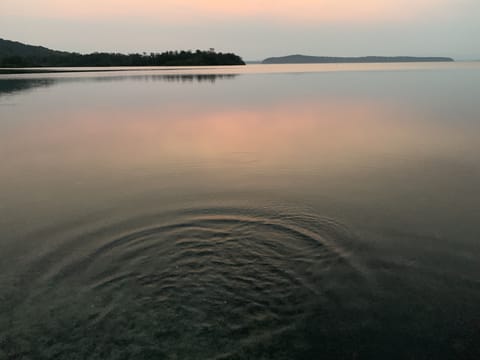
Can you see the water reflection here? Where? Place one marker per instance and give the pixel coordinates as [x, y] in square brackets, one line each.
[196, 77]
[273, 216]
[13, 85]
[8, 87]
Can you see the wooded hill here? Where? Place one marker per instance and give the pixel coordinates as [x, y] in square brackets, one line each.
[16, 54]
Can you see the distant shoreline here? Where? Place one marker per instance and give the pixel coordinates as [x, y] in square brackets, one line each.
[166, 69]
[14, 54]
[7, 71]
[304, 59]
[60, 70]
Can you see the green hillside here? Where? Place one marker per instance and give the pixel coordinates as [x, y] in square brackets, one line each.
[304, 59]
[14, 48]
[16, 55]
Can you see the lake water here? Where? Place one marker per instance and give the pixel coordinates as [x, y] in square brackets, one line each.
[258, 212]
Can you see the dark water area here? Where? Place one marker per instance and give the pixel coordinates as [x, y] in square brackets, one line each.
[270, 212]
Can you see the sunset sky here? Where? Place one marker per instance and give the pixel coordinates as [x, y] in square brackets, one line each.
[254, 29]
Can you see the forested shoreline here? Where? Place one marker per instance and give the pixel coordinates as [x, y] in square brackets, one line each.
[16, 55]
[169, 58]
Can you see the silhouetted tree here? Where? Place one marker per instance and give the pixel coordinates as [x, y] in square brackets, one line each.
[18, 56]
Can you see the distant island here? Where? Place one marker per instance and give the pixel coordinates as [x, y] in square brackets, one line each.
[304, 59]
[14, 54]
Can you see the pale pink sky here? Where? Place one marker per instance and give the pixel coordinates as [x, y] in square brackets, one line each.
[252, 28]
[178, 10]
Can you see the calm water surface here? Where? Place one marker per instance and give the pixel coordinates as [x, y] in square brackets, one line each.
[264, 212]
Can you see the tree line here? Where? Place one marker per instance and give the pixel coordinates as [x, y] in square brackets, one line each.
[168, 58]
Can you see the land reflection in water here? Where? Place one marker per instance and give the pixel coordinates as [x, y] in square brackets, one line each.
[278, 215]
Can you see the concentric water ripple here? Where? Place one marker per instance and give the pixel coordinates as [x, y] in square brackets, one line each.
[214, 281]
